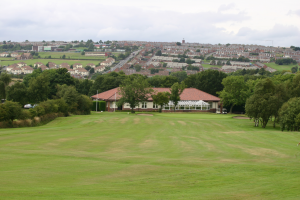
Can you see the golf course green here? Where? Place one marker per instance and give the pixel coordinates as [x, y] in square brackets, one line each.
[164, 156]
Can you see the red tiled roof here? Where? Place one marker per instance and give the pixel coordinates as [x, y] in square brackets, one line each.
[188, 94]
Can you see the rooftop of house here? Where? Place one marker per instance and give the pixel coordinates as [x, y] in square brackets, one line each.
[27, 68]
[188, 94]
[81, 70]
[43, 66]
[64, 64]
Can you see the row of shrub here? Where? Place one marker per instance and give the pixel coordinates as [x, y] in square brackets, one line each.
[36, 121]
[12, 115]
[98, 105]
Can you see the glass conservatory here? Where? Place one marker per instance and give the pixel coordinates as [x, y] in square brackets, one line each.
[188, 105]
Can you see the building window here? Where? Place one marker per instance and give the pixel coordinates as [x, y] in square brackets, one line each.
[155, 105]
[144, 104]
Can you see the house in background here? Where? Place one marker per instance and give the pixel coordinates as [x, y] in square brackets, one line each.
[92, 65]
[43, 67]
[52, 65]
[16, 70]
[108, 62]
[21, 64]
[27, 70]
[10, 67]
[191, 100]
[99, 69]
[77, 65]
[24, 56]
[38, 64]
[82, 72]
[64, 65]
[4, 54]
[14, 54]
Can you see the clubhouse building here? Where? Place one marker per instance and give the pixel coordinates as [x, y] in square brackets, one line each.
[191, 100]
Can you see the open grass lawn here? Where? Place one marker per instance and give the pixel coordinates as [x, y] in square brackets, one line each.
[57, 61]
[5, 58]
[209, 66]
[72, 55]
[165, 156]
[280, 67]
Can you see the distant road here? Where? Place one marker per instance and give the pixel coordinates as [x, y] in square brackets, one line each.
[123, 62]
[207, 55]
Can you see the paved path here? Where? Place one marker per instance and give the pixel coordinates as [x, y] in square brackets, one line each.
[123, 62]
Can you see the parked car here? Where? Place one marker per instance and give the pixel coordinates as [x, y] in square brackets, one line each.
[224, 111]
[27, 106]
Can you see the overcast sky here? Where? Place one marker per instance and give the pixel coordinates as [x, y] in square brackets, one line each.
[213, 21]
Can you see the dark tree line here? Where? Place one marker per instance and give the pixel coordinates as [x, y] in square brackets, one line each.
[285, 61]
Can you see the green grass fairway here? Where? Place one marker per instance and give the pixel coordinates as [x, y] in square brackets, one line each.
[56, 61]
[165, 156]
[280, 67]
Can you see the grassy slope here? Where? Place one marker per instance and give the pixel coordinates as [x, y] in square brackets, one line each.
[280, 67]
[167, 156]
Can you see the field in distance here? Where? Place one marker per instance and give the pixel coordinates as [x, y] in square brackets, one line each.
[165, 156]
[56, 61]
[281, 67]
[72, 55]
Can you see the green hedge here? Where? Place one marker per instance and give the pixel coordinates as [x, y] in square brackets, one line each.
[100, 107]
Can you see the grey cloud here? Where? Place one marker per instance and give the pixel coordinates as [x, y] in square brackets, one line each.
[280, 34]
[69, 21]
[224, 7]
[294, 12]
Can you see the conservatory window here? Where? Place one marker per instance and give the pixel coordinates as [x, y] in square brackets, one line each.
[144, 104]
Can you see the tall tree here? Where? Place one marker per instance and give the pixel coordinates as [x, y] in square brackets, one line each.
[69, 94]
[181, 75]
[106, 82]
[10, 111]
[289, 115]
[252, 109]
[2, 90]
[18, 93]
[161, 98]
[34, 74]
[176, 91]
[58, 77]
[235, 91]
[262, 100]
[5, 79]
[158, 53]
[279, 97]
[295, 86]
[39, 89]
[209, 81]
[134, 91]
[83, 86]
